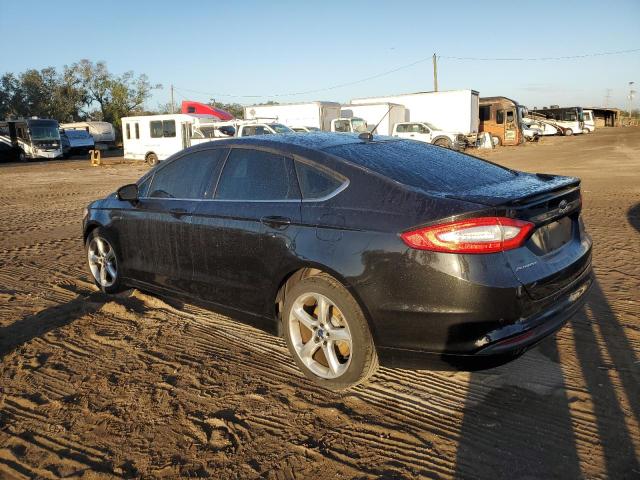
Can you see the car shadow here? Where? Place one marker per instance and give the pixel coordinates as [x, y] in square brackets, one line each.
[633, 216]
[32, 326]
[520, 420]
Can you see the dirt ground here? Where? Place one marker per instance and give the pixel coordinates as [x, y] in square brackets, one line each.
[136, 386]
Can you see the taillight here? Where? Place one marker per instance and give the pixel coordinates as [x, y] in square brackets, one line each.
[474, 235]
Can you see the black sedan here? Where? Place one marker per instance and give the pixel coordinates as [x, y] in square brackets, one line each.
[352, 247]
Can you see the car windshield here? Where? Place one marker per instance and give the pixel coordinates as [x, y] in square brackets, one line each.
[431, 126]
[77, 133]
[44, 131]
[423, 166]
[313, 129]
[279, 128]
[358, 125]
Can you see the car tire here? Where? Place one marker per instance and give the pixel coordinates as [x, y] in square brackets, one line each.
[443, 142]
[496, 141]
[343, 332]
[22, 157]
[152, 159]
[568, 132]
[104, 261]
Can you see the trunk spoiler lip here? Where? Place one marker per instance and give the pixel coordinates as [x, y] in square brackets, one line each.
[548, 186]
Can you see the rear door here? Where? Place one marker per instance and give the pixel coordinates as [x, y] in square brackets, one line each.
[155, 234]
[244, 237]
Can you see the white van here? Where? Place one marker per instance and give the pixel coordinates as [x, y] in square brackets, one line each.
[589, 122]
[156, 137]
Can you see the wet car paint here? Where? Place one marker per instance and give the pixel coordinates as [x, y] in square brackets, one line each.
[221, 253]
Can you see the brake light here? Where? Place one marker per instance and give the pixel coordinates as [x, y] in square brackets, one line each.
[474, 235]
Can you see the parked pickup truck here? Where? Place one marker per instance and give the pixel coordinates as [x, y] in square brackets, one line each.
[428, 133]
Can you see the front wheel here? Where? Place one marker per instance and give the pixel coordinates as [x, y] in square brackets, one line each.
[103, 261]
[568, 132]
[22, 157]
[443, 142]
[327, 333]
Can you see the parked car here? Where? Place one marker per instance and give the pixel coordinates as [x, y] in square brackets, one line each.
[65, 143]
[353, 249]
[531, 133]
[80, 142]
[305, 129]
[250, 129]
[428, 133]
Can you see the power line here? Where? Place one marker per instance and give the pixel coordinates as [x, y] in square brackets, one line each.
[409, 65]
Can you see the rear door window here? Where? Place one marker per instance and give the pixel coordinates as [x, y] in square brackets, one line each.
[188, 177]
[316, 183]
[257, 175]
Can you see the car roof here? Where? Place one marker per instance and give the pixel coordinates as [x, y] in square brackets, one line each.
[296, 142]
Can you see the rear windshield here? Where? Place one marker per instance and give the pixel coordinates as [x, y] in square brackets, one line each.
[423, 166]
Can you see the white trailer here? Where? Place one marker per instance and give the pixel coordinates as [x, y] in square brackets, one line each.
[156, 137]
[452, 110]
[309, 114]
[102, 132]
[387, 114]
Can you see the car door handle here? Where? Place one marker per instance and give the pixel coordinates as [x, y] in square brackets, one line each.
[178, 212]
[276, 222]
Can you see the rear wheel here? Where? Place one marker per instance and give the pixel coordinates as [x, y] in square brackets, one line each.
[496, 141]
[327, 334]
[103, 261]
[22, 157]
[152, 159]
[568, 132]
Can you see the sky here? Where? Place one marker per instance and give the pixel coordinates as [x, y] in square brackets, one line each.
[253, 51]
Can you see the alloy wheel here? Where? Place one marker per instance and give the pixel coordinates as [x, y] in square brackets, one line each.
[320, 335]
[102, 262]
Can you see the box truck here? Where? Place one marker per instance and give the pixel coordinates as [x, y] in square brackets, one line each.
[386, 114]
[452, 111]
[309, 114]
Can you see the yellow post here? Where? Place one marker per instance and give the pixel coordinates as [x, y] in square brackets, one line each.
[94, 156]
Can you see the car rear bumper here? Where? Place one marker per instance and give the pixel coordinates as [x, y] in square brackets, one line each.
[507, 340]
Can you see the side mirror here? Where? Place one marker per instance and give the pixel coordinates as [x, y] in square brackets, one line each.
[128, 193]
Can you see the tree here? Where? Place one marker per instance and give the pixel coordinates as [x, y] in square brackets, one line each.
[234, 109]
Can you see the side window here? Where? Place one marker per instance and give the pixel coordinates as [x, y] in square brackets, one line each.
[169, 128]
[401, 128]
[128, 131]
[342, 126]
[262, 130]
[510, 116]
[500, 116]
[156, 129]
[137, 130]
[188, 177]
[256, 175]
[315, 183]
[485, 113]
[247, 131]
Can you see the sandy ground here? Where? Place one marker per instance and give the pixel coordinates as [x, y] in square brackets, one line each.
[137, 386]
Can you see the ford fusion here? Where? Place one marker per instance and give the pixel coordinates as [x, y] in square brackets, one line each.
[352, 247]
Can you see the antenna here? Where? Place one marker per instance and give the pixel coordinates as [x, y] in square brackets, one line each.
[383, 117]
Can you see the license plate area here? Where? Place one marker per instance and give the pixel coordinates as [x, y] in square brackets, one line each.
[552, 236]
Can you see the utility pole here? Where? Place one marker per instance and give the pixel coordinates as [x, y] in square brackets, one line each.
[172, 98]
[632, 92]
[435, 73]
[607, 97]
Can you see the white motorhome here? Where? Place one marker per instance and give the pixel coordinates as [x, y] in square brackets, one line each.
[103, 133]
[308, 114]
[385, 114]
[452, 110]
[156, 137]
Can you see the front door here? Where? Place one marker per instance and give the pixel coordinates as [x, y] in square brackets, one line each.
[156, 234]
[511, 127]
